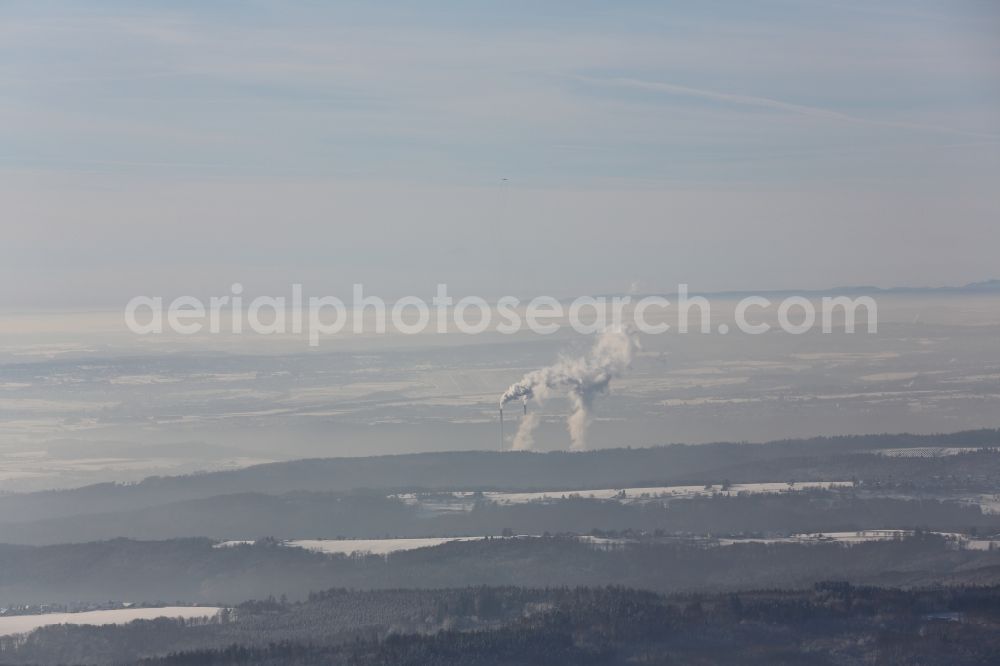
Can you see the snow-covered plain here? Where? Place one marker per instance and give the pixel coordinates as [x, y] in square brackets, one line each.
[234, 542]
[930, 451]
[960, 540]
[388, 546]
[440, 502]
[372, 546]
[22, 624]
[357, 546]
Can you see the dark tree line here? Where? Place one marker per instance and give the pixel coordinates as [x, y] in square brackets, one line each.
[831, 622]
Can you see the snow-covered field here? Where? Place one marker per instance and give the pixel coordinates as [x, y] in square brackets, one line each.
[825, 537]
[929, 451]
[371, 546]
[359, 546]
[960, 540]
[20, 624]
[388, 546]
[438, 502]
[234, 542]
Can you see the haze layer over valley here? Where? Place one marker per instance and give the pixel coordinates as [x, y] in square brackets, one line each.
[81, 405]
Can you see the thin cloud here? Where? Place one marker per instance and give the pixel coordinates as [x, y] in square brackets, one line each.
[776, 105]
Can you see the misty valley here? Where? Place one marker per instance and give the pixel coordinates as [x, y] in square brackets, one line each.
[499, 333]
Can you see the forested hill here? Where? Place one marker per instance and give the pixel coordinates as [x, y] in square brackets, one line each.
[672, 464]
[193, 570]
[308, 515]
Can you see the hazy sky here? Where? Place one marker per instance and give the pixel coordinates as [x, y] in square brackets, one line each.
[176, 147]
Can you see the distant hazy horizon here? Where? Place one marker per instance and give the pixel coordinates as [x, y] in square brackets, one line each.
[84, 401]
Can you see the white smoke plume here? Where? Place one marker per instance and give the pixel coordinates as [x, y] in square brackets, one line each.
[580, 379]
[524, 440]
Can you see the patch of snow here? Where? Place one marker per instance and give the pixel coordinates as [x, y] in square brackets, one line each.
[21, 624]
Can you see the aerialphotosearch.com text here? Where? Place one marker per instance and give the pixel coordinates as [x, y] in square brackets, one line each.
[317, 317]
